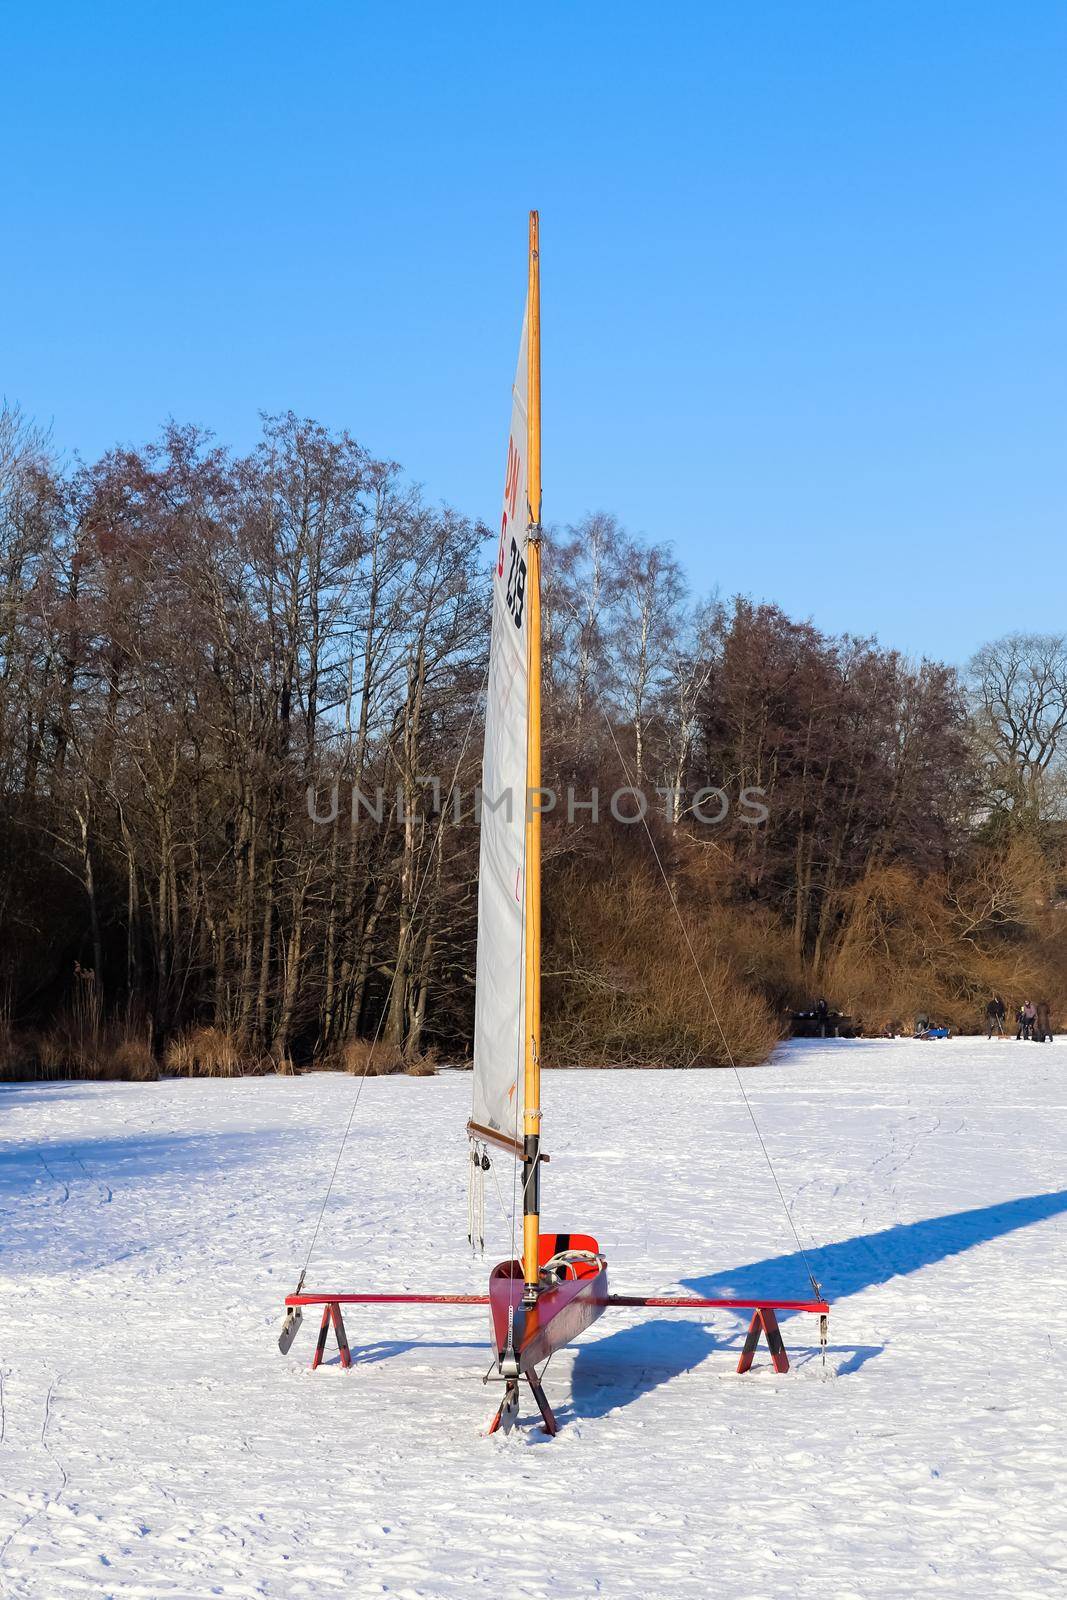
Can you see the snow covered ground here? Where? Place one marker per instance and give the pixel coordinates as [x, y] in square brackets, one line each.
[153, 1441]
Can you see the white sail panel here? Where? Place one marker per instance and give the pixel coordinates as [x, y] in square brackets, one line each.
[500, 982]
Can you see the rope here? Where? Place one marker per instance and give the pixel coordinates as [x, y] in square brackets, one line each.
[482, 1205]
[392, 981]
[479, 1165]
[481, 1202]
[714, 1011]
[471, 1180]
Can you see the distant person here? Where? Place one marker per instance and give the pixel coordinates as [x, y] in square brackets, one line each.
[1043, 1023]
[822, 1016]
[1026, 1016]
[922, 1022]
[995, 1012]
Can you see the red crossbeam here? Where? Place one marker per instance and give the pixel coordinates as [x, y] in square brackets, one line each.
[764, 1322]
[677, 1302]
[322, 1297]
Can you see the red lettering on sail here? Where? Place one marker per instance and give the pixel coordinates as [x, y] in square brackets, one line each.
[511, 479]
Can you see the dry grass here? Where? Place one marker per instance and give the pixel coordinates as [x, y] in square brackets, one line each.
[132, 1058]
[206, 1052]
[373, 1058]
[103, 1051]
[81, 1046]
[369, 1058]
[18, 1055]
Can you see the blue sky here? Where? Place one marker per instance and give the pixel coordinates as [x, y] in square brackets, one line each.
[805, 267]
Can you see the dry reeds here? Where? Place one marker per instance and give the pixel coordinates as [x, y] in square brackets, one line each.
[374, 1058]
[205, 1052]
[18, 1054]
[423, 1065]
[99, 1050]
[131, 1057]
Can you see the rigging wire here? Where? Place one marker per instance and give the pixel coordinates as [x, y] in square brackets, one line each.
[392, 981]
[714, 1009]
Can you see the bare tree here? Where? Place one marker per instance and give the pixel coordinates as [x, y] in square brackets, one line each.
[646, 624]
[1018, 688]
[581, 585]
[690, 666]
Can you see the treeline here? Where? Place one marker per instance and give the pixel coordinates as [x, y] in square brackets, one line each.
[236, 693]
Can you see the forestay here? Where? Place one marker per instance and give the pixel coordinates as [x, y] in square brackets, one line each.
[499, 993]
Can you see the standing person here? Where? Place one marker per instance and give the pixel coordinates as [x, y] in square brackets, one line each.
[822, 1016]
[1043, 1023]
[995, 1013]
[1026, 1017]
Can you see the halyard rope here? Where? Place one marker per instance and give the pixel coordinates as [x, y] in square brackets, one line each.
[479, 1164]
[473, 1162]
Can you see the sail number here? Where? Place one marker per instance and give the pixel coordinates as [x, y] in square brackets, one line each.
[516, 585]
[516, 590]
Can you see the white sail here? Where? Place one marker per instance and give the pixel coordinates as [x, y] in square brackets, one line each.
[499, 992]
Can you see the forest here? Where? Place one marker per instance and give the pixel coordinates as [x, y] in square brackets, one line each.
[240, 702]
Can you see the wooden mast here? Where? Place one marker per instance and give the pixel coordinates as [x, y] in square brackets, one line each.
[531, 1220]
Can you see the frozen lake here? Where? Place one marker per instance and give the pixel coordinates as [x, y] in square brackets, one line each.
[153, 1441]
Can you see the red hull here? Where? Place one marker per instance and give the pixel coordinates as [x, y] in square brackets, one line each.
[560, 1313]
